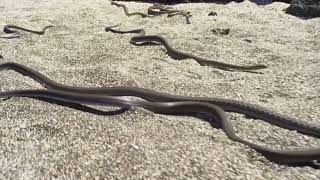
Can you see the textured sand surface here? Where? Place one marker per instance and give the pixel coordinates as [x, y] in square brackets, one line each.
[42, 140]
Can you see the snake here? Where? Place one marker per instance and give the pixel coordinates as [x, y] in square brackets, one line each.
[155, 10]
[180, 55]
[126, 11]
[164, 103]
[10, 33]
[159, 9]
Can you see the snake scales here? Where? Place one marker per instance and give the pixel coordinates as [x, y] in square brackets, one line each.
[179, 55]
[10, 33]
[172, 104]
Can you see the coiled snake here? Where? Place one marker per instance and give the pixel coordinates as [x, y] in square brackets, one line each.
[172, 104]
[179, 55]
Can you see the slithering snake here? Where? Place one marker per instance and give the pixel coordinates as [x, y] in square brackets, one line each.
[125, 9]
[172, 104]
[179, 55]
[10, 33]
[155, 10]
[159, 9]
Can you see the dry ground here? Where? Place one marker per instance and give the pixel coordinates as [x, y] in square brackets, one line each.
[42, 140]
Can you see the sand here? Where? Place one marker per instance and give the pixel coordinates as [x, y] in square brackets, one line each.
[42, 140]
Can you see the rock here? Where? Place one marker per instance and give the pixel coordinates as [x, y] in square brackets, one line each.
[262, 2]
[212, 13]
[284, 1]
[191, 1]
[219, 31]
[304, 8]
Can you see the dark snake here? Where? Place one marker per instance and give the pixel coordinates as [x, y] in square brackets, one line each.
[155, 10]
[160, 9]
[164, 103]
[10, 33]
[180, 55]
[126, 11]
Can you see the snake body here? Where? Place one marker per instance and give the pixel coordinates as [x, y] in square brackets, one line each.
[156, 10]
[180, 55]
[171, 104]
[283, 156]
[159, 9]
[228, 105]
[126, 11]
[10, 33]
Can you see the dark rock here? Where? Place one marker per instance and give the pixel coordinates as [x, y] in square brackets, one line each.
[212, 13]
[304, 8]
[248, 40]
[284, 1]
[219, 31]
[214, 1]
[185, 1]
[262, 2]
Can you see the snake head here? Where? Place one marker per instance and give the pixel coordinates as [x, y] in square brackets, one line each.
[316, 163]
[108, 28]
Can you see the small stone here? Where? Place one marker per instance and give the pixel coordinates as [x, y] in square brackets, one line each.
[248, 40]
[212, 13]
[219, 31]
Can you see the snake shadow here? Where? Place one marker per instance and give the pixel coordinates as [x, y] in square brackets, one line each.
[83, 108]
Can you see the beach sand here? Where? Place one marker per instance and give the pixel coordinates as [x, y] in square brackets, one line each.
[43, 140]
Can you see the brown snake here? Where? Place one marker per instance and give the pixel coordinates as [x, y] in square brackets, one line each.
[179, 55]
[10, 33]
[172, 104]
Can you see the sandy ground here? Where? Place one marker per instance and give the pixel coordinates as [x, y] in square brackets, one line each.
[43, 140]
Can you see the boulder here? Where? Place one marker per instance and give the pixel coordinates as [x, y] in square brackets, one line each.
[304, 8]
